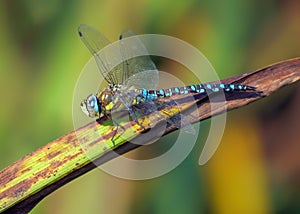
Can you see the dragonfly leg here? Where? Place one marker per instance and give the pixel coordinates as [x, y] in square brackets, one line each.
[127, 102]
[117, 125]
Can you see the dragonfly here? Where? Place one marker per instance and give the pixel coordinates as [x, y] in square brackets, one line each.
[134, 80]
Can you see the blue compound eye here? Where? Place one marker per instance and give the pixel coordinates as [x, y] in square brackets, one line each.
[92, 103]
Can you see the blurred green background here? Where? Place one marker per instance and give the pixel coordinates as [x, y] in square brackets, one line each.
[256, 169]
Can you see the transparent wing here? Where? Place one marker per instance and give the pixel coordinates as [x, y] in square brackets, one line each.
[136, 69]
[95, 41]
[139, 70]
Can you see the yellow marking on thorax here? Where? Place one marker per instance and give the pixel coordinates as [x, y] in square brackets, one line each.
[109, 106]
[134, 101]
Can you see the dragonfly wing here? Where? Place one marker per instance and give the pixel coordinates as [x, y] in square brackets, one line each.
[138, 69]
[95, 42]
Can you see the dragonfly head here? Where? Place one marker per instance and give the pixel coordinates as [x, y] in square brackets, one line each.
[91, 106]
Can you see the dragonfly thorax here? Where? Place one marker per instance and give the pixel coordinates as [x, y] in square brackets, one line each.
[105, 97]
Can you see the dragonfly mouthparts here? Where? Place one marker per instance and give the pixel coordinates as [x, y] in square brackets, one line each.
[84, 109]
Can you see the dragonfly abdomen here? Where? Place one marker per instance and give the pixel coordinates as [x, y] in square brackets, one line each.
[145, 94]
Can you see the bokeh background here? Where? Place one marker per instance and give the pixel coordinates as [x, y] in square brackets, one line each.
[256, 169]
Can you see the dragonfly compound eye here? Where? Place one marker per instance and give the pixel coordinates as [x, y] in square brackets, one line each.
[91, 106]
[92, 103]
